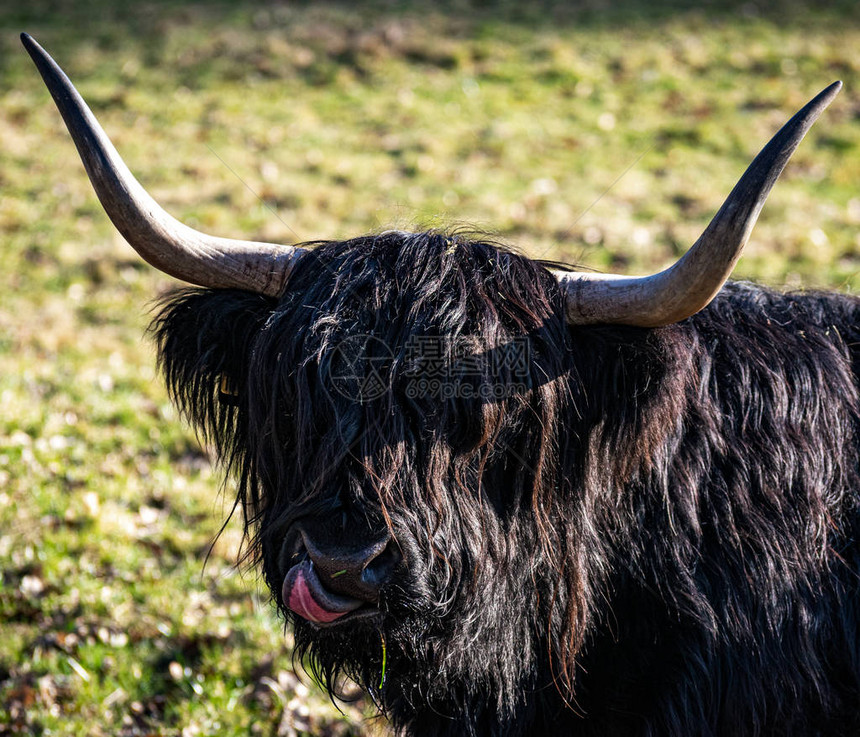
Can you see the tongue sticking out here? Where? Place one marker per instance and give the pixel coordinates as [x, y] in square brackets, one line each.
[306, 596]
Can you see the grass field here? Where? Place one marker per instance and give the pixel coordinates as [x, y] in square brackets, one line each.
[298, 121]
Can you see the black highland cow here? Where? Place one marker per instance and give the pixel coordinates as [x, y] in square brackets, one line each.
[620, 507]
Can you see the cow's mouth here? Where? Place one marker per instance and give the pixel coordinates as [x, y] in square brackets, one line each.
[305, 595]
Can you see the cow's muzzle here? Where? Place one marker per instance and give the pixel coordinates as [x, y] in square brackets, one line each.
[326, 581]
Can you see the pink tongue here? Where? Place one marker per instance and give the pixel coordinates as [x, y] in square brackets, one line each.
[302, 602]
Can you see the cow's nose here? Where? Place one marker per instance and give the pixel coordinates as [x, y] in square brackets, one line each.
[356, 572]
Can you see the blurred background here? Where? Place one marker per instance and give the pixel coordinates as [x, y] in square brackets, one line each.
[602, 133]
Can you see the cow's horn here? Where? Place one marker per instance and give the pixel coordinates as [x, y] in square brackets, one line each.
[694, 280]
[160, 239]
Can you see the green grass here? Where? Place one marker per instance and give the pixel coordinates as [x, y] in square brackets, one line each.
[517, 118]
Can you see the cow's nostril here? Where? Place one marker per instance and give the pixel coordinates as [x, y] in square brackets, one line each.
[379, 569]
[292, 551]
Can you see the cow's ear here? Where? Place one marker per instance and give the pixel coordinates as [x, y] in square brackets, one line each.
[204, 339]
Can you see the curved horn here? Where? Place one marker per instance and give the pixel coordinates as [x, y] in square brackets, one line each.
[163, 241]
[694, 280]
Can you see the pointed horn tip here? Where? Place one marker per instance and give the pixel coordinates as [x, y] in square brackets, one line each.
[28, 41]
[41, 57]
[832, 90]
[826, 96]
[36, 52]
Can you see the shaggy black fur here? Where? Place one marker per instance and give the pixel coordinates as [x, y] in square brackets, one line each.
[656, 533]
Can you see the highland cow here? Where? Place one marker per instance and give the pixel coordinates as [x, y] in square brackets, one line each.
[512, 499]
